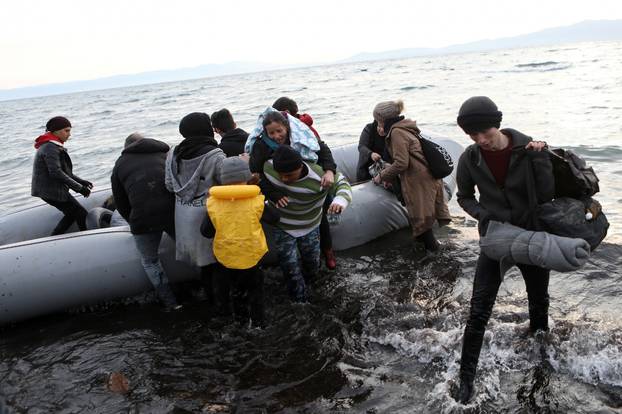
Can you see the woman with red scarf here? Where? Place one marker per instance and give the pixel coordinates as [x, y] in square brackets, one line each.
[52, 175]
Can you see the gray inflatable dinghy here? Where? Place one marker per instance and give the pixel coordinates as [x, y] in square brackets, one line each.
[41, 275]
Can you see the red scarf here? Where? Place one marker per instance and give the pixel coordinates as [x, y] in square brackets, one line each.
[48, 136]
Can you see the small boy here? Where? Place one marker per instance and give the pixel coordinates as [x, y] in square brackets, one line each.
[234, 212]
[301, 213]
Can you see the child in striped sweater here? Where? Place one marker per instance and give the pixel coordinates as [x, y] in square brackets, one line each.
[301, 213]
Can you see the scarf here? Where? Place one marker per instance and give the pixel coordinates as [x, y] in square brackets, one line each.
[193, 146]
[48, 136]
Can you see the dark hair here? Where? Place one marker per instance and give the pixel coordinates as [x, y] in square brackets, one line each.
[275, 117]
[286, 104]
[223, 120]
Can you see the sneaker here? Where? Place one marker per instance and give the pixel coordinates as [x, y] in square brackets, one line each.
[329, 257]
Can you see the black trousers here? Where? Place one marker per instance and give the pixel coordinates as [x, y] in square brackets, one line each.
[244, 287]
[72, 210]
[326, 240]
[485, 288]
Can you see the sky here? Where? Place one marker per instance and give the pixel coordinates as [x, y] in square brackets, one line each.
[65, 40]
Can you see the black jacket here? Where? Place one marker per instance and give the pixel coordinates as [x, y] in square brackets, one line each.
[52, 175]
[138, 187]
[369, 142]
[232, 142]
[261, 152]
[510, 202]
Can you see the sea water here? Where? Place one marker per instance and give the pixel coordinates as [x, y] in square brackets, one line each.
[382, 333]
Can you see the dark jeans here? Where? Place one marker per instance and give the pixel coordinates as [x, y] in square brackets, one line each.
[72, 210]
[485, 288]
[326, 240]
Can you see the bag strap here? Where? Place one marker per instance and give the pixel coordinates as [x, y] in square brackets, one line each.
[532, 196]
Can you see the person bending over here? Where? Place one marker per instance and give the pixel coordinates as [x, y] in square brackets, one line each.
[301, 212]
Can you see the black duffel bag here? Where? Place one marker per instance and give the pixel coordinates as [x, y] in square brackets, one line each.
[570, 217]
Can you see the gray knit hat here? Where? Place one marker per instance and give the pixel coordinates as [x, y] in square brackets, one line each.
[388, 109]
[234, 170]
[478, 114]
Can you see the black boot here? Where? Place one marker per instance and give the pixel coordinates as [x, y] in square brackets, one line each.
[465, 392]
[428, 239]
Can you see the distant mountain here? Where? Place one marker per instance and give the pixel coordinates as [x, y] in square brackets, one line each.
[589, 30]
[586, 31]
[143, 78]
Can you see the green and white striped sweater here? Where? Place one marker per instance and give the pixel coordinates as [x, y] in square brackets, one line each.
[303, 213]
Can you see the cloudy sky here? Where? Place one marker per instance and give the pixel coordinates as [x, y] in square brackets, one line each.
[44, 41]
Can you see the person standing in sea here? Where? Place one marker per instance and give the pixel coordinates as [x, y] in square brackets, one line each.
[52, 175]
[191, 168]
[502, 164]
[326, 240]
[142, 199]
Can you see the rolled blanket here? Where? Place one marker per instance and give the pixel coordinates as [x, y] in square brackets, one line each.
[511, 245]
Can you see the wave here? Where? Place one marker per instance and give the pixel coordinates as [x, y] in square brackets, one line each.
[103, 113]
[167, 123]
[410, 88]
[600, 154]
[537, 64]
[547, 66]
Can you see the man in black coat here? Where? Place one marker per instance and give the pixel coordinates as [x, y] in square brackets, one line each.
[503, 164]
[52, 175]
[143, 200]
[233, 138]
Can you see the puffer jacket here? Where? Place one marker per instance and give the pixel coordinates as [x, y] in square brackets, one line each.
[138, 187]
[52, 173]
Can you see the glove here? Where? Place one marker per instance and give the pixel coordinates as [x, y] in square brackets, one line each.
[85, 191]
[86, 183]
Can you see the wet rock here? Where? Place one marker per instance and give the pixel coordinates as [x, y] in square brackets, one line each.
[118, 383]
[216, 408]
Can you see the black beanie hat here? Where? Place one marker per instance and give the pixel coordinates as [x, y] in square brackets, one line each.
[286, 159]
[57, 123]
[478, 114]
[196, 124]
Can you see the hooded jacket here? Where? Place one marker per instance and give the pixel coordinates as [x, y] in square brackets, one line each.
[369, 142]
[510, 202]
[52, 171]
[190, 181]
[138, 187]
